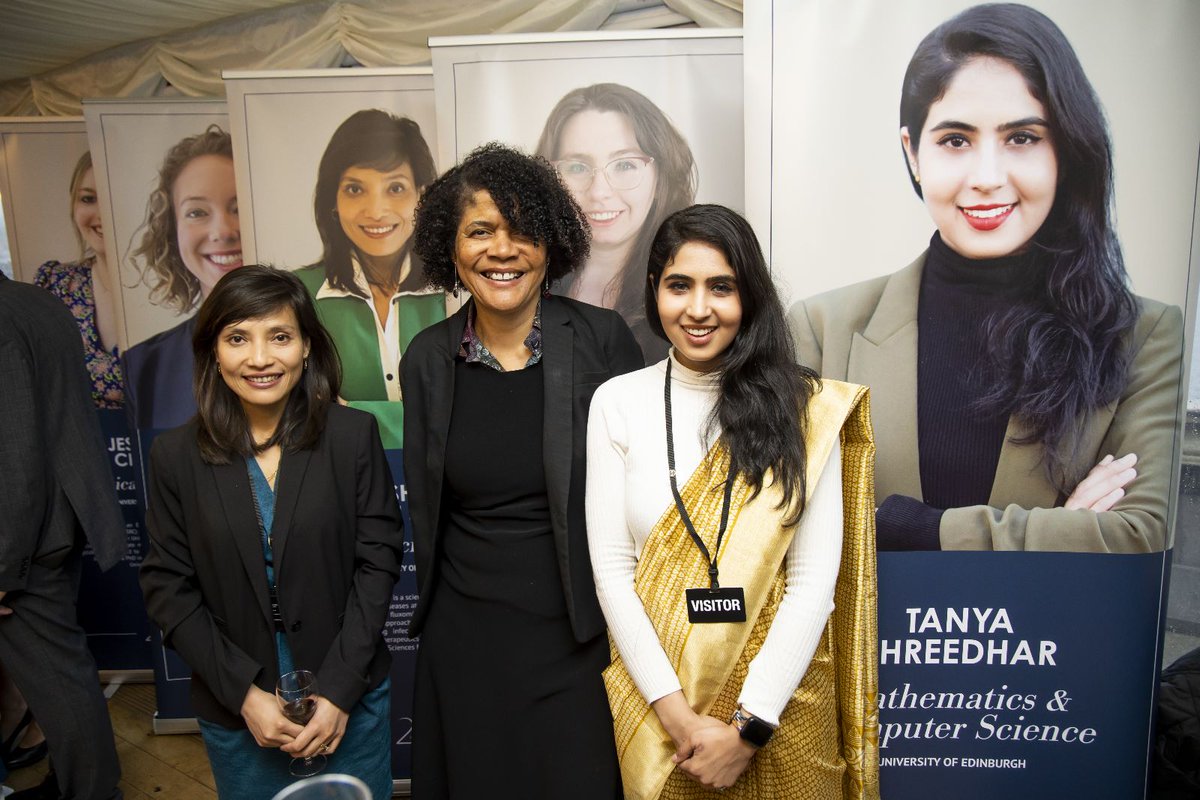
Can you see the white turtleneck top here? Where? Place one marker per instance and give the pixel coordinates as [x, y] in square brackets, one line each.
[627, 492]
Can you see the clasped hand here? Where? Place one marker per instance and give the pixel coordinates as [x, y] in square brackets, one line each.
[271, 728]
[713, 754]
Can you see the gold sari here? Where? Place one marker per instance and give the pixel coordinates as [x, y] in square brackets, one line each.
[827, 742]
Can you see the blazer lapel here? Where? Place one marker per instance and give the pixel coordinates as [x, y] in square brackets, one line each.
[884, 357]
[233, 489]
[558, 361]
[292, 467]
[439, 396]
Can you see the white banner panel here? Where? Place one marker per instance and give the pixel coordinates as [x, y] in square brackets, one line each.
[838, 206]
[281, 124]
[672, 100]
[130, 141]
[42, 153]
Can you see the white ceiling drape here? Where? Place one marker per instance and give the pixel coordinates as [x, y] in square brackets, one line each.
[373, 33]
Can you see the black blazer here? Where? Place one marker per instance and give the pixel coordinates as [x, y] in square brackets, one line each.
[582, 346]
[57, 477]
[336, 541]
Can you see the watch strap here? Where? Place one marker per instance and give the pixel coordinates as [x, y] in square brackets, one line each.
[751, 728]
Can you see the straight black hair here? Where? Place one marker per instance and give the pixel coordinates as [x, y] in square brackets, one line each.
[368, 139]
[1061, 354]
[762, 405]
[249, 293]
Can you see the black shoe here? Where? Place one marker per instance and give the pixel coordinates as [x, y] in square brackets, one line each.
[21, 757]
[8, 744]
[47, 790]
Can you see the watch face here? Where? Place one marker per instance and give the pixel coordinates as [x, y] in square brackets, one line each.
[756, 732]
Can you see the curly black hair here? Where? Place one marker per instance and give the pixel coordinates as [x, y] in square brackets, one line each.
[529, 194]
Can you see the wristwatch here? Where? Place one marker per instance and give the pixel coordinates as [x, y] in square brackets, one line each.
[751, 728]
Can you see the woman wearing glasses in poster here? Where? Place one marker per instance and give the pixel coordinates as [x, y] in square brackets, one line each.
[1026, 398]
[370, 289]
[628, 168]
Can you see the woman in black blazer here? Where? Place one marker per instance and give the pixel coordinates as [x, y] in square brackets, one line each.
[496, 399]
[275, 541]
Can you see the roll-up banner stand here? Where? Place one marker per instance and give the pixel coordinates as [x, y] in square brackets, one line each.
[544, 94]
[375, 128]
[1014, 674]
[54, 233]
[162, 276]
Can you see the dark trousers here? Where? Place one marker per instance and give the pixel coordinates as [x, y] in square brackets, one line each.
[46, 654]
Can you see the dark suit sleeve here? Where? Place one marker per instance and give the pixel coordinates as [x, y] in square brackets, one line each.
[624, 353]
[173, 598]
[377, 555]
[23, 465]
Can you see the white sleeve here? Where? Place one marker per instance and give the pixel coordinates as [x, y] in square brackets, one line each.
[614, 551]
[812, 563]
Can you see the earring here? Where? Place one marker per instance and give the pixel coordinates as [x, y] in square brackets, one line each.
[916, 177]
[455, 290]
[546, 289]
[306, 362]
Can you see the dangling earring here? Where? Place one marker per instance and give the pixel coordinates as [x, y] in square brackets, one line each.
[454, 291]
[306, 362]
[546, 289]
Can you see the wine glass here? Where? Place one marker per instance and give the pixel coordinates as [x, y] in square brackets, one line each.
[297, 693]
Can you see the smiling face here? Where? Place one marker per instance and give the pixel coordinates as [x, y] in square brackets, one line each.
[85, 210]
[986, 163]
[376, 208]
[699, 305]
[597, 138]
[262, 360]
[502, 269]
[206, 219]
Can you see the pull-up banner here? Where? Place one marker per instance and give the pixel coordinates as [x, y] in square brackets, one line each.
[56, 237]
[1001, 672]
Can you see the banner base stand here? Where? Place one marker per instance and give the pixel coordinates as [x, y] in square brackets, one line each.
[169, 725]
[119, 676]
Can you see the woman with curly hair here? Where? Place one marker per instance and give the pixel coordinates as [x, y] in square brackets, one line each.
[629, 169]
[371, 292]
[512, 638]
[191, 238]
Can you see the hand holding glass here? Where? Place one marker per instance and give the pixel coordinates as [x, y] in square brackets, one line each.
[297, 693]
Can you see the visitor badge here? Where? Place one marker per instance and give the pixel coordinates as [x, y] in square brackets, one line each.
[727, 604]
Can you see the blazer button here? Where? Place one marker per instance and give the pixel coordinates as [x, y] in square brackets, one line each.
[296, 626]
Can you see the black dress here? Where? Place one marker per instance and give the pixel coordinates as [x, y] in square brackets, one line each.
[508, 704]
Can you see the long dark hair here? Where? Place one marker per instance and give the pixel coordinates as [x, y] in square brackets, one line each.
[763, 401]
[1061, 353]
[249, 293]
[369, 139]
[675, 170]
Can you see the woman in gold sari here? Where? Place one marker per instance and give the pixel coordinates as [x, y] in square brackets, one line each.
[729, 511]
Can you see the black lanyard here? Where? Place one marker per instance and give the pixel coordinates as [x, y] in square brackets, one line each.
[683, 514]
